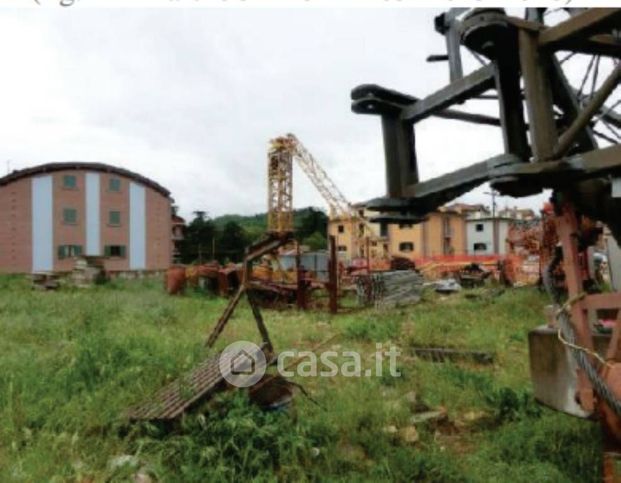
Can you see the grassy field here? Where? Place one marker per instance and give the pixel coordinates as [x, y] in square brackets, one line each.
[71, 361]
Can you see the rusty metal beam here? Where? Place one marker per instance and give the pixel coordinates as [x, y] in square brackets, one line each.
[582, 25]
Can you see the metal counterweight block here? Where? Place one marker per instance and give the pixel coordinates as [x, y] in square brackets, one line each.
[553, 369]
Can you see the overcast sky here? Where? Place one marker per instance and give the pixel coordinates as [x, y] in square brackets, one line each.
[190, 97]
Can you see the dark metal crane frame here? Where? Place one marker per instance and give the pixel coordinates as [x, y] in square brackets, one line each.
[555, 149]
[550, 151]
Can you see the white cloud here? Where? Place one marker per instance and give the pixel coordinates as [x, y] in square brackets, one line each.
[192, 97]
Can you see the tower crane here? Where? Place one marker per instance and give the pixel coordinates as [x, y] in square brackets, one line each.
[283, 150]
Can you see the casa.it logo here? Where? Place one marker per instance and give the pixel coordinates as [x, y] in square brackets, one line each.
[242, 364]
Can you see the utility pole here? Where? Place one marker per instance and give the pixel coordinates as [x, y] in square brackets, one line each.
[493, 193]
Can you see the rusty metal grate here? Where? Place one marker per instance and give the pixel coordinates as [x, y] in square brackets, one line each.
[174, 399]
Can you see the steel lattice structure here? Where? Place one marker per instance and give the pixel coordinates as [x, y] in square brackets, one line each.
[279, 188]
[550, 131]
[283, 151]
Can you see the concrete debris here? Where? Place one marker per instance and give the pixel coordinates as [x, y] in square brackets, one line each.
[88, 271]
[142, 477]
[409, 435]
[391, 429]
[446, 286]
[411, 398]
[45, 281]
[122, 461]
[429, 416]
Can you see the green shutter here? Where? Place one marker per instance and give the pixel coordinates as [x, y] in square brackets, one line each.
[61, 252]
[114, 217]
[69, 181]
[114, 184]
[70, 215]
[122, 251]
[107, 251]
[77, 250]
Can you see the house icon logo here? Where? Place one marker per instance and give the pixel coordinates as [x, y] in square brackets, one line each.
[242, 364]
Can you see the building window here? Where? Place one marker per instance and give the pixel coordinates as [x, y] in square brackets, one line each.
[479, 227]
[383, 229]
[480, 247]
[341, 229]
[406, 247]
[70, 182]
[66, 251]
[114, 251]
[342, 248]
[405, 226]
[70, 216]
[114, 184]
[114, 218]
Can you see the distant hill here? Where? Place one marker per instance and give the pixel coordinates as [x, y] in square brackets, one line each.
[256, 225]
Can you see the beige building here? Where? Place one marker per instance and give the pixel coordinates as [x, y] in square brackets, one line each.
[355, 238]
[444, 233]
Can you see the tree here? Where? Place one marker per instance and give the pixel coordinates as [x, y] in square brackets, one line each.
[198, 240]
[232, 241]
[317, 241]
[311, 221]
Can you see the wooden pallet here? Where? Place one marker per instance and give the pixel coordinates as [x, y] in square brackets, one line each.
[195, 386]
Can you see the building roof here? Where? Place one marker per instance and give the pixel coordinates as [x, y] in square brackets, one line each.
[80, 165]
[490, 218]
[466, 208]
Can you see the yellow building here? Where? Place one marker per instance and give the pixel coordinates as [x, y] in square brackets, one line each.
[444, 233]
[355, 237]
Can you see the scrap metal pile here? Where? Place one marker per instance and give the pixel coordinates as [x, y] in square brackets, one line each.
[524, 252]
[438, 267]
[389, 289]
[212, 277]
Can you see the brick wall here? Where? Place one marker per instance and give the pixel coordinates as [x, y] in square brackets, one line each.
[16, 222]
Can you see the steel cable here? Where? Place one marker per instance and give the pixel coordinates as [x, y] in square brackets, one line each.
[567, 330]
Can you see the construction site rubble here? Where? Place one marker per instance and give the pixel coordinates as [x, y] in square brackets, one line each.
[389, 289]
[211, 277]
[88, 271]
[446, 286]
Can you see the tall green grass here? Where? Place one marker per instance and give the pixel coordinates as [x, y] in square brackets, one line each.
[73, 360]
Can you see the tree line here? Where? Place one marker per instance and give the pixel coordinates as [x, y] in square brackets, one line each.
[225, 238]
